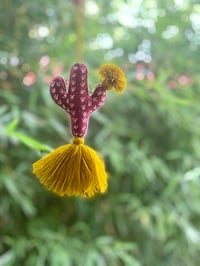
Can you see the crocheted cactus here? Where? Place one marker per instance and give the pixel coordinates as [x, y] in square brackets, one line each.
[76, 169]
[77, 101]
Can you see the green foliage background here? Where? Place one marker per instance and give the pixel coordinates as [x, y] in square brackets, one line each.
[149, 136]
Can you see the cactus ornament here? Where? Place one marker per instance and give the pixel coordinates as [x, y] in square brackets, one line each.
[76, 169]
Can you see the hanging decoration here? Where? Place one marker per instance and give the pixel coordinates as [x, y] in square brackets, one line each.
[76, 169]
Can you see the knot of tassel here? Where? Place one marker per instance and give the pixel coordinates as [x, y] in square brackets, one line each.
[78, 140]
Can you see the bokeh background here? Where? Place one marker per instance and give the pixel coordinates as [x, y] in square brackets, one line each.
[149, 136]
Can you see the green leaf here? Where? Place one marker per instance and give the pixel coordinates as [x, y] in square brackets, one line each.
[12, 126]
[30, 142]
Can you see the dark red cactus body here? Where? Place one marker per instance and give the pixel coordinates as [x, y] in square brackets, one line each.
[76, 100]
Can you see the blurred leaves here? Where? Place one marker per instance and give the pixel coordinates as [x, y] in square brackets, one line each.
[149, 136]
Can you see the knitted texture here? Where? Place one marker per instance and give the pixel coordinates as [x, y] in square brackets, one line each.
[76, 100]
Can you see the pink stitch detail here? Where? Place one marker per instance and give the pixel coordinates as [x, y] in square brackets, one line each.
[55, 96]
[83, 69]
[84, 120]
[52, 83]
[83, 107]
[73, 113]
[53, 90]
[72, 96]
[75, 67]
[82, 84]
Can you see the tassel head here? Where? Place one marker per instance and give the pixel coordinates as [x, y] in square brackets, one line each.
[73, 170]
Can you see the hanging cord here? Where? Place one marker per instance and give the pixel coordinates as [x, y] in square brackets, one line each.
[79, 6]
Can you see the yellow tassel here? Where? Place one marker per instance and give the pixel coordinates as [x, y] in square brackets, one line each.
[112, 76]
[72, 169]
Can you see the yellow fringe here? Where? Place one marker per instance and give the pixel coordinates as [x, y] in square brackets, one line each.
[112, 76]
[73, 170]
